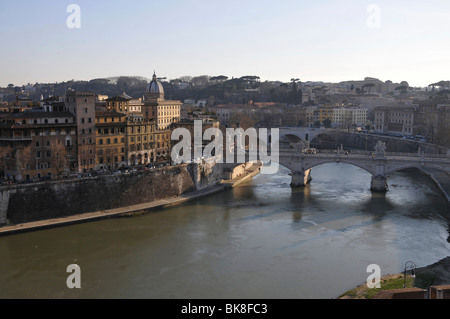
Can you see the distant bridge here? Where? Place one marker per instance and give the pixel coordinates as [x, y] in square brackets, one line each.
[296, 154]
[378, 163]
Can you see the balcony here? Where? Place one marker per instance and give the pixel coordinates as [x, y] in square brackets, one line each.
[16, 138]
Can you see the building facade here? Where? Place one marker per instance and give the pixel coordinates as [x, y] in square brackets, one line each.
[82, 106]
[399, 120]
[110, 140]
[155, 106]
[36, 145]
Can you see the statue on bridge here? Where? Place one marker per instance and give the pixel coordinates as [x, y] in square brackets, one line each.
[380, 150]
[300, 146]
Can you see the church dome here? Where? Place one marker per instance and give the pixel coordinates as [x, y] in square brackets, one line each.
[155, 87]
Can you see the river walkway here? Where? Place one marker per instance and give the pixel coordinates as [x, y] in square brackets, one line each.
[130, 210]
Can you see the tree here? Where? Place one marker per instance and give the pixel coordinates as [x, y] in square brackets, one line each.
[369, 86]
[242, 120]
[442, 136]
[294, 84]
[200, 81]
[5, 157]
[59, 160]
[219, 78]
[185, 78]
[327, 123]
[23, 156]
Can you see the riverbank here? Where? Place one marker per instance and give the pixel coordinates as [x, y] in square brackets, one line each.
[437, 274]
[132, 210]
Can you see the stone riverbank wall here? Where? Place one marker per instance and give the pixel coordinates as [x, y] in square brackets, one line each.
[32, 202]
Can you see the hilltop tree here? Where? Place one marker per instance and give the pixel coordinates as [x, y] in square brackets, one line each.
[199, 81]
[294, 84]
[440, 84]
[219, 78]
[369, 86]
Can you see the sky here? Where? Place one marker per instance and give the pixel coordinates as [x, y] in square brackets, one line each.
[320, 40]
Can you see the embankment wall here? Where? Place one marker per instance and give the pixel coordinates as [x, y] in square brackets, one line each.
[32, 202]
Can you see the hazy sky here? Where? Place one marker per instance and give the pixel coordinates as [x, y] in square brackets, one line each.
[320, 40]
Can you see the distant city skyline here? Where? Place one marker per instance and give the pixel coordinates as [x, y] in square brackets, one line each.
[322, 40]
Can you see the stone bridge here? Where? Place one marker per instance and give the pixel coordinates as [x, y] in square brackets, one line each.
[304, 133]
[378, 163]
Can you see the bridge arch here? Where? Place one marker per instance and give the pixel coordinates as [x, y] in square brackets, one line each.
[366, 168]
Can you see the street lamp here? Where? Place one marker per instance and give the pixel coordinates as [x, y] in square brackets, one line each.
[412, 267]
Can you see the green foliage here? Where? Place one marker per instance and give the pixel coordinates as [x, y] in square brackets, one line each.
[423, 281]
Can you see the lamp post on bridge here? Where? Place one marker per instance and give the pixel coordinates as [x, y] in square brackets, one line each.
[412, 267]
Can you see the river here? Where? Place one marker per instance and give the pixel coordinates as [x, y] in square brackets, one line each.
[261, 240]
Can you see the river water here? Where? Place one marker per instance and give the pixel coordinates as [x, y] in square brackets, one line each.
[262, 240]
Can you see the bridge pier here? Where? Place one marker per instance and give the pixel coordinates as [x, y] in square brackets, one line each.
[300, 179]
[379, 184]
